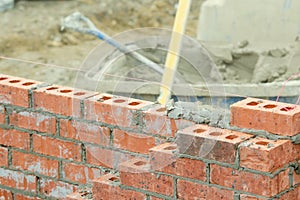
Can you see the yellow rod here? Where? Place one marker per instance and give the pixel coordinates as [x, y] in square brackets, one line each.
[174, 50]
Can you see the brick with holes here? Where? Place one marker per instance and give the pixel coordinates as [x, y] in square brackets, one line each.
[266, 155]
[163, 158]
[139, 169]
[274, 117]
[156, 121]
[114, 110]
[15, 90]
[108, 187]
[60, 100]
[210, 143]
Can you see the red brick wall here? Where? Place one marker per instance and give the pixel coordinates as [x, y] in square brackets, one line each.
[54, 140]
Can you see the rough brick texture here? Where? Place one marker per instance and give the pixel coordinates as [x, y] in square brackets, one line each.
[36, 164]
[275, 117]
[133, 142]
[33, 121]
[210, 143]
[262, 154]
[56, 140]
[57, 148]
[15, 90]
[108, 187]
[249, 182]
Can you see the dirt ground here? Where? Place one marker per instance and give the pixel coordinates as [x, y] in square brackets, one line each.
[31, 31]
[33, 46]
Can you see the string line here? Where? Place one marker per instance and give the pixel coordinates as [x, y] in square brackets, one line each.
[143, 80]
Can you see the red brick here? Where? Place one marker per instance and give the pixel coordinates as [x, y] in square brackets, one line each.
[105, 157]
[155, 198]
[163, 158]
[291, 195]
[6, 194]
[114, 110]
[76, 196]
[17, 180]
[80, 173]
[275, 117]
[35, 164]
[108, 187]
[14, 138]
[210, 143]
[296, 153]
[69, 100]
[245, 181]
[266, 155]
[190, 191]
[296, 178]
[136, 173]
[22, 197]
[2, 114]
[14, 90]
[133, 141]
[33, 121]
[57, 148]
[249, 197]
[3, 157]
[56, 189]
[156, 121]
[84, 132]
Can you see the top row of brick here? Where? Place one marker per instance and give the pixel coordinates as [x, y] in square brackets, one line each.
[274, 117]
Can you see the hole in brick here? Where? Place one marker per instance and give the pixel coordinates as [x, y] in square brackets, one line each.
[253, 103]
[216, 134]
[231, 137]
[286, 109]
[140, 163]
[199, 130]
[105, 98]
[270, 106]
[65, 91]
[79, 93]
[114, 179]
[28, 83]
[14, 81]
[52, 88]
[262, 143]
[2, 78]
[170, 148]
[161, 110]
[119, 101]
[134, 103]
